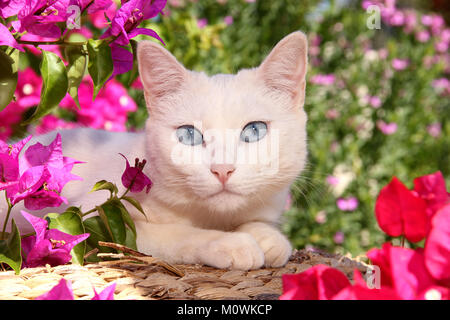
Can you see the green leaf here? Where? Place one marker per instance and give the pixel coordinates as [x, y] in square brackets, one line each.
[130, 240]
[55, 84]
[98, 232]
[111, 215]
[70, 222]
[105, 185]
[8, 76]
[100, 63]
[125, 215]
[136, 204]
[75, 70]
[10, 249]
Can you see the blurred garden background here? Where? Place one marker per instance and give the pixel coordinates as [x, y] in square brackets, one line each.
[377, 98]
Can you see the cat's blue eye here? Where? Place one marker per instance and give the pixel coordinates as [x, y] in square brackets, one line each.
[189, 135]
[254, 131]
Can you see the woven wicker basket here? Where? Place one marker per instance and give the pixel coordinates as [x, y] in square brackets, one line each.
[144, 277]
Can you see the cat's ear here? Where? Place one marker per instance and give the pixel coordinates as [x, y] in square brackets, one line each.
[161, 74]
[285, 67]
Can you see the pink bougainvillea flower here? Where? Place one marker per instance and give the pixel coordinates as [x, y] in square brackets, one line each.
[387, 128]
[339, 237]
[434, 130]
[133, 178]
[63, 291]
[317, 283]
[9, 162]
[43, 173]
[431, 188]
[7, 39]
[400, 64]
[201, 23]
[400, 212]
[47, 246]
[347, 204]
[228, 20]
[323, 79]
[437, 247]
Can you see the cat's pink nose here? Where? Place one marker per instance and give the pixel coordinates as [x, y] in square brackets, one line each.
[222, 171]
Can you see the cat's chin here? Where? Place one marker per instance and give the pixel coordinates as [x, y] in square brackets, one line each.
[225, 201]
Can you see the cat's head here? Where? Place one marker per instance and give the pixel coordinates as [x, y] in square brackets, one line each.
[225, 142]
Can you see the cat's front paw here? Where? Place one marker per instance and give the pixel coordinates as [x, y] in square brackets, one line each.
[233, 251]
[277, 249]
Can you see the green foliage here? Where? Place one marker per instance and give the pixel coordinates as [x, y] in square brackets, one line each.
[55, 84]
[10, 249]
[8, 76]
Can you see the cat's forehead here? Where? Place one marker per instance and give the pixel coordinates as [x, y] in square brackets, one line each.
[227, 100]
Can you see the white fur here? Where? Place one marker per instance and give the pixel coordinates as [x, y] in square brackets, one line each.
[188, 221]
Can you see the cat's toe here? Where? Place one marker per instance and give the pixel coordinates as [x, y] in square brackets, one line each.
[277, 250]
[237, 251]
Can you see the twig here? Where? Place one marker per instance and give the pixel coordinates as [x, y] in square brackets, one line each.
[137, 256]
[122, 248]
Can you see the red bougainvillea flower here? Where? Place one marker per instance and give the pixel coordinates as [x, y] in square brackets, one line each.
[63, 291]
[133, 178]
[437, 247]
[412, 273]
[360, 291]
[43, 173]
[432, 189]
[47, 246]
[317, 283]
[401, 212]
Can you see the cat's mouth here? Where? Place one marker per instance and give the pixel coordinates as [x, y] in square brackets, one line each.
[224, 191]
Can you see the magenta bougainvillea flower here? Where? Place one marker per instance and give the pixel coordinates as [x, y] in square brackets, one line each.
[43, 172]
[7, 39]
[63, 291]
[27, 94]
[10, 8]
[109, 111]
[347, 204]
[9, 163]
[124, 25]
[47, 246]
[133, 178]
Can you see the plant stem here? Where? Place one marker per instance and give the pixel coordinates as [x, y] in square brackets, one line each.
[58, 42]
[402, 241]
[10, 206]
[90, 211]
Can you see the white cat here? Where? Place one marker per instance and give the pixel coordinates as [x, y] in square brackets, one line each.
[220, 214]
